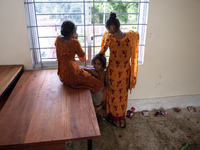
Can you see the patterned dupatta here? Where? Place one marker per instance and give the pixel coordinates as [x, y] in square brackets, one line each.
[134, 58]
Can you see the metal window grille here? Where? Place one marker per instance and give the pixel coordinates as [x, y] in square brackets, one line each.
[44, 18]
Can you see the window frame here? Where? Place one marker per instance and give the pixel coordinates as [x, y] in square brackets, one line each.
[34, 38]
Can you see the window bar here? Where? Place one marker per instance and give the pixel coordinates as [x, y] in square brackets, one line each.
[86, 25]
[119, 13]
[37, 37]
[52, 36]
[104, 12]
[93, 38]
[61, 14]
[138, 17]
[54, 47]
[81, 13]
[138, 28]
[90, 2]
[84, 28]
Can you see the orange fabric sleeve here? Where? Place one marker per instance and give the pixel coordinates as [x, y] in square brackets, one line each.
[134, 58]
[105, 42]
[80, 52]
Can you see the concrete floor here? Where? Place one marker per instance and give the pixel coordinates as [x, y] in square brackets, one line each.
[149, 133]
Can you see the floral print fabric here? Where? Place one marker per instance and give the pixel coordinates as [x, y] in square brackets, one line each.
[122, 69]
[68, 69]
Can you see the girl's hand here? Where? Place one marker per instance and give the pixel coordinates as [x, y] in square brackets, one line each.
[76, 37]
[94, 73]
[91, 71]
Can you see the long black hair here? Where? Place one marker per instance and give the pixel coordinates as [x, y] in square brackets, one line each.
[112, 20]
[67, 28]
[101, 58]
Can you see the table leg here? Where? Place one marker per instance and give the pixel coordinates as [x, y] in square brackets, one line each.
[89, 144]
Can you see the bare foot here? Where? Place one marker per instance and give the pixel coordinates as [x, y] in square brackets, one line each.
[122, 123]
[117, 123]
[102, 112]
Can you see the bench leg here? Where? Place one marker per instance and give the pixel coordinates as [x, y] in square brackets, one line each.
[89, 144]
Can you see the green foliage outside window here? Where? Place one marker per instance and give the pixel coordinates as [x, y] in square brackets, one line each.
[118, 7]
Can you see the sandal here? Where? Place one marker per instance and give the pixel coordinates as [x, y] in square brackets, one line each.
[124, 124]
[109, 118]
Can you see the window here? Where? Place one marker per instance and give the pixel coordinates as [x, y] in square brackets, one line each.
[44, 18]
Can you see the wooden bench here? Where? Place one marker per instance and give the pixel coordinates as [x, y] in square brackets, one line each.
[43, 113]
[9, 74]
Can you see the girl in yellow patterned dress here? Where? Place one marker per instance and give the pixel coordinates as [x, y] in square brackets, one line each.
[122, 68]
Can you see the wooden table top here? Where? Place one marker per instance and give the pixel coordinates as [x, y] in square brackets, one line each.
[43, 109]
[7, 75]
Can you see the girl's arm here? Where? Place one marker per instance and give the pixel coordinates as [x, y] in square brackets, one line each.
[91, 71]
[80, 52]
[105, 42]
[105, 81]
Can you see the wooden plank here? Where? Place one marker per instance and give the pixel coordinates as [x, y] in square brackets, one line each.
[8, 73]
[41, 109]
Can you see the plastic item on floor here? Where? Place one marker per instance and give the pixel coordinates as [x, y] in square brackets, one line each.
[184, 147]
[148, 121]
[145, 113]
[166, 125]
[191, 109]
[178, 117]
[177, 109]
[161, 123]
[171, 131]
[130, 113]
[189, 136]
[159, 113]
[164, 113]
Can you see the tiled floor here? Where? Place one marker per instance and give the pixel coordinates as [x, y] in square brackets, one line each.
[149, 133]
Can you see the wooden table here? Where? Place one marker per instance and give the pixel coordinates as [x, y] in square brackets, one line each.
[43, 113]
[9, 74]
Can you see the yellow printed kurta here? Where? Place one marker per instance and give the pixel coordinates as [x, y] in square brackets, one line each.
[122, 69]
[68, 69]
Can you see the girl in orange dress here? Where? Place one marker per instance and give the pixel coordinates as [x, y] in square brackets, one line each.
[122, 68]
[69, 71]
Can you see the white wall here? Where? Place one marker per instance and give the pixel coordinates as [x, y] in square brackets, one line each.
[172, 56]
[14, 45]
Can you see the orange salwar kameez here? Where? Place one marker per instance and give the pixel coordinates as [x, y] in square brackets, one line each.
[122, 69]
[68, 69]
